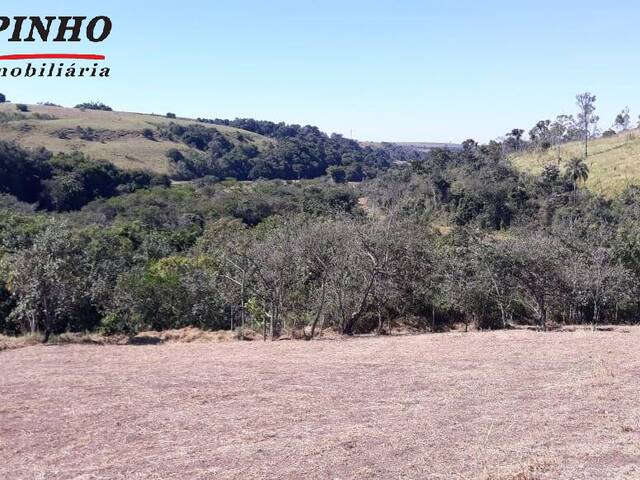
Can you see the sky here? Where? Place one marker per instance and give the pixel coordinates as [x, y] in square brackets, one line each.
[400, 70]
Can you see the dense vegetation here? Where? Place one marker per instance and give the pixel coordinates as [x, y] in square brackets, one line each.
[64, 182]
[94, 106]
[446, 238]
[296, 153]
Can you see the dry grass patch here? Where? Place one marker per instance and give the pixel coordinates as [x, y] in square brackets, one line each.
[120, 135]
[450, 406]
[186, 335]
[9, 343]
[614, 162]
[182, 335]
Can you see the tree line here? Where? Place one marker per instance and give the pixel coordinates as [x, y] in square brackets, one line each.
[459, 237]
[296, 153]
[583, 126]
[65, 182]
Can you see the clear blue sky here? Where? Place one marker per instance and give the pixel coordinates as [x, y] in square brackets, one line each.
[388, 70]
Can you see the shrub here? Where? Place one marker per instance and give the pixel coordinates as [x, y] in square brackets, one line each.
[11, 117]
[147, 133]
[338, 174]
[43, 116]
[22, 107]
[114, 324]
[3, 99]
[94, 106]
[175, 155]
[171, 115]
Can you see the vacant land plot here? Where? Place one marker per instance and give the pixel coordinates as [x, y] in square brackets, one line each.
[507, 405]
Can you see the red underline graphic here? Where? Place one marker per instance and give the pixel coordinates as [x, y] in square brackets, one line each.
[66, 56]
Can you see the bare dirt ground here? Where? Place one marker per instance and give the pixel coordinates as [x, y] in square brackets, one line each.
[508, 405]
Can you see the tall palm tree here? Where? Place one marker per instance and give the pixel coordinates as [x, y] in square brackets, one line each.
[577, 171]
[516, 134]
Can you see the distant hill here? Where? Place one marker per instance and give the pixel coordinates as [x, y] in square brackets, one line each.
[117, 136]
[423, 147]
[186, 149]
[614, 162]
[428, 146]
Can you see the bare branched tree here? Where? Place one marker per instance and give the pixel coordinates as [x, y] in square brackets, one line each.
[587, 119]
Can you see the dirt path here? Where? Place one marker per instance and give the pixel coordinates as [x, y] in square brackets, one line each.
[506, 405]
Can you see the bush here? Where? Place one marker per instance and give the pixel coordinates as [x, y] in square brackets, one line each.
[94, 106]
[609, 133]
[175, 155]
[3, 99]
[22, 107]
[43, 116]
[171, 115]
[338, 174]
[113, 324]
[147, 133]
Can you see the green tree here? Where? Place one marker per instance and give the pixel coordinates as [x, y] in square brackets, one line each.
[516, 134]
[623, 120]
[535, 263]
[577, 170]
[48, 281]
[338, 174]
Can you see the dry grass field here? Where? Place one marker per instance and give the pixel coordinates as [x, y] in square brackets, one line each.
[120, 134]
[614, 162]
[516, 405]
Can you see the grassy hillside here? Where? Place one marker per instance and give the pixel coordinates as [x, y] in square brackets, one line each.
[119, 136]
[614, 162]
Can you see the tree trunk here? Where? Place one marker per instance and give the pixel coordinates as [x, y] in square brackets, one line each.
[343, 314]
[264, 329]
[242, 308]
[277, 327]
[48, 321]
[433, 318]
[380, 328]
[33, 324]
[319, 311]
[586, 137]
[502, 315]
[321, 325]
[355, 316]
[349, 327]
[272, 319]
